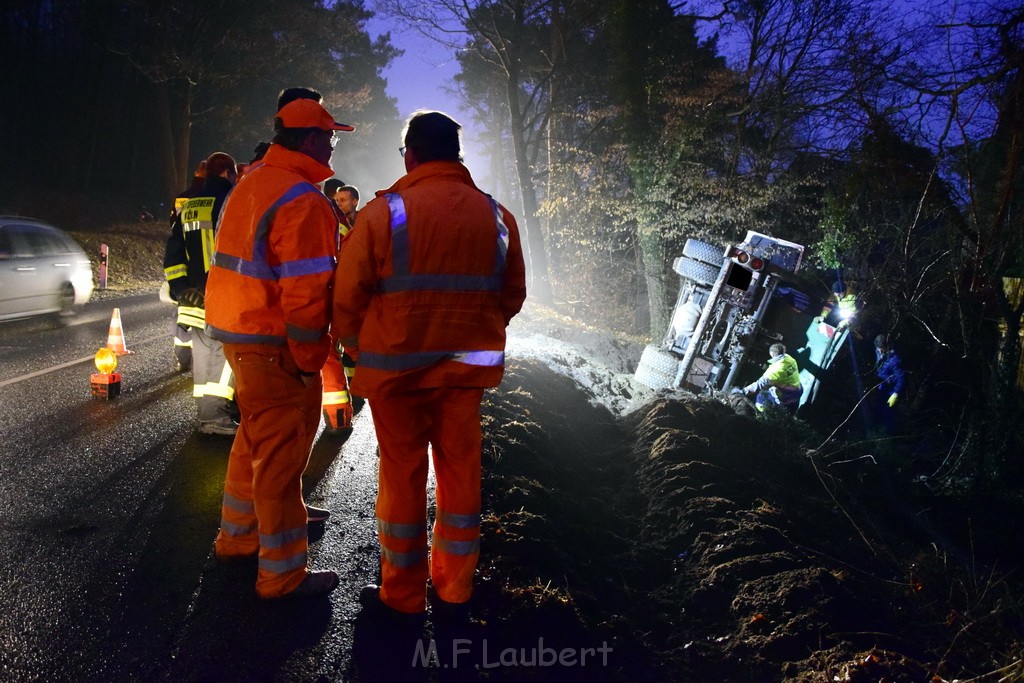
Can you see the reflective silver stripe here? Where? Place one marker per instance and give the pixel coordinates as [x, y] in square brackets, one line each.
[246, 507]
[285, 565]
[402, 280]
[441, 283]
[304, 334]
[280, 539]
[404, 560]
[232, 529]
[239, 338]
[456, 547]
[175, 271]
[419, 359]
[191, 316]
[489, 358]
[395, 530]
[258, 267]
[399, 235]
[458, 521]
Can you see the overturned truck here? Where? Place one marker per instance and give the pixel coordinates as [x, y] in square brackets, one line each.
[733, 303]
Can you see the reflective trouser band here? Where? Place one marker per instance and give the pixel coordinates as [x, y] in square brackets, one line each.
[333, 398]
[221, 388]
[232, 529]
[279, 539]
[286, 565]
[458, 521]
[182, 343]
[403, 560]
[223, 391]
[456, 547]
[395, 530]
[246, 507]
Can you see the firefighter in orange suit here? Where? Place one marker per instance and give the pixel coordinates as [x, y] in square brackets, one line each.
[426, 284]
[337, 403]
[268, 301]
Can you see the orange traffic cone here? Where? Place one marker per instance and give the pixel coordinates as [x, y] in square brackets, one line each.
[115, 336]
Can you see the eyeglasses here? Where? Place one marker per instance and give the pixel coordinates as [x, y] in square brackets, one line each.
[401, 151]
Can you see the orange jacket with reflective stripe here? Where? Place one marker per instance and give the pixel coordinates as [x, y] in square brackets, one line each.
[426, 283]
[274, 262]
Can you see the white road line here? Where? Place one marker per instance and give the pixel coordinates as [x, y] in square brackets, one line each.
[38, 373]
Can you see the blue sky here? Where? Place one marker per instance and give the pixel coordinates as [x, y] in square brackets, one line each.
[418, 80]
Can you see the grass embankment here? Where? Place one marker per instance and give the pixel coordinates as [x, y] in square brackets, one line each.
[135, 252]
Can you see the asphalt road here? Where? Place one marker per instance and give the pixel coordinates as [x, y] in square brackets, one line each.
[108, 510]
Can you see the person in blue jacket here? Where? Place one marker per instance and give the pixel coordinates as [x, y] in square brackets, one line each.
[889, 369]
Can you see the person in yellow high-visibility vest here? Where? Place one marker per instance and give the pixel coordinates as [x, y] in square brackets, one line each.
[187, 259]
[841, 309]
[780, 383]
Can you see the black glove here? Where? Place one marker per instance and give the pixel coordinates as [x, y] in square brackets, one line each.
[192, 297]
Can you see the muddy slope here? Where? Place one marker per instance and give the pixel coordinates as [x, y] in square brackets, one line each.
[703, 545]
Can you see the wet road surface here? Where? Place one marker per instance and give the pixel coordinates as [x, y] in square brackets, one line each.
[108, 510]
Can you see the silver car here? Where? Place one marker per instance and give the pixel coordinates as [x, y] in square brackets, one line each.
[42, 270]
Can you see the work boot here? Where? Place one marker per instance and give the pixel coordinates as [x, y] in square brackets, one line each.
[338, 419]
[447, 612]
[182, 360]
[315, 514]
[369, 598]
[315, 585]
[223, 426]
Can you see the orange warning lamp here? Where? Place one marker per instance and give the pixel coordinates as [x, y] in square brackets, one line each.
[106, 360]
[106, 383]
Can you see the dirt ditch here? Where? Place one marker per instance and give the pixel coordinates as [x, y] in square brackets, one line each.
[701, 545]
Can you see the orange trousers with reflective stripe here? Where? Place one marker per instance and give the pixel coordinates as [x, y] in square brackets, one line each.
[336, 397]
[448, 420]
[263, 509]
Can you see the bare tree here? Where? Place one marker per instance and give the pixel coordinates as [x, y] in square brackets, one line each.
[504, 34]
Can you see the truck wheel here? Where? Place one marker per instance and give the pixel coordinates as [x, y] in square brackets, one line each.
[657, 368]
[701, 273]
[703, 251]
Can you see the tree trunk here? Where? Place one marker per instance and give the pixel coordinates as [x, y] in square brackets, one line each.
[652, 248]
[172, 186]
[533, 245]
[185, 133]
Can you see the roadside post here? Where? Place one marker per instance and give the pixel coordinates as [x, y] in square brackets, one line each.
[103, 266]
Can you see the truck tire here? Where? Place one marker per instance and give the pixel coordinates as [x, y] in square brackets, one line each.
[701, 273]
[703, 251]
[657, 368]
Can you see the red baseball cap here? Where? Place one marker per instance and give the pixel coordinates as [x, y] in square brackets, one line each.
[305, 113]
